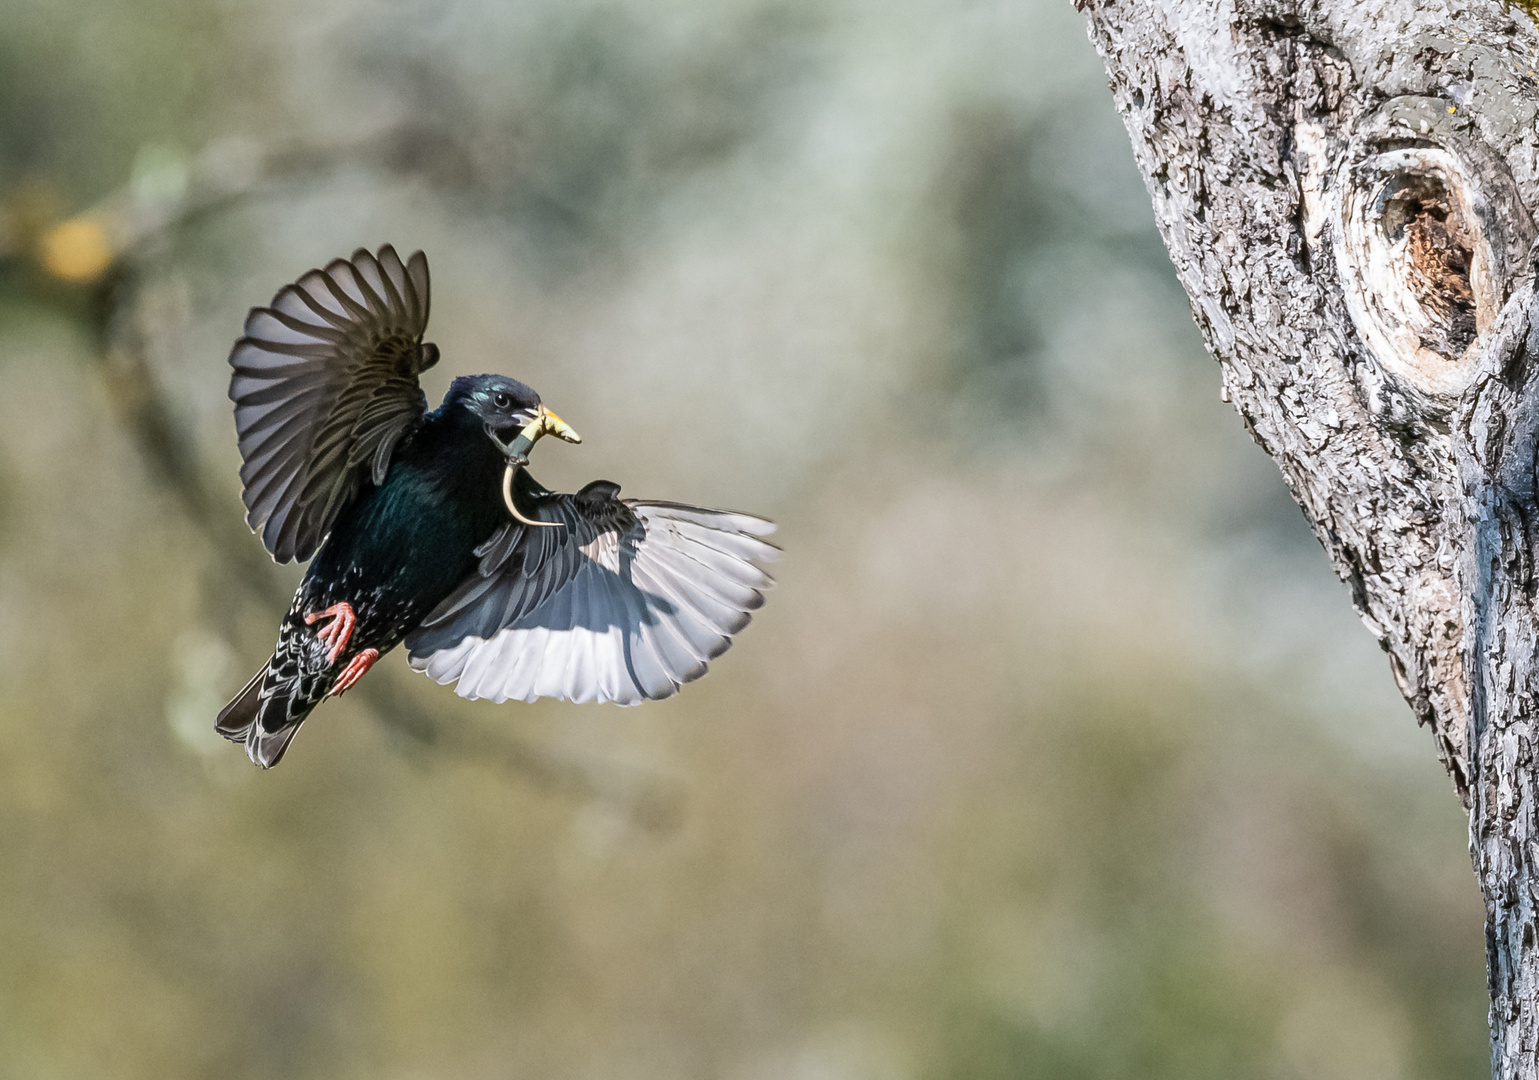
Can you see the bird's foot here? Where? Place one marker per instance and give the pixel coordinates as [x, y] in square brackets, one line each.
[354, 671]
[336, 632]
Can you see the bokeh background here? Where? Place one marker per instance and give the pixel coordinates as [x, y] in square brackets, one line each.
[1058, 751]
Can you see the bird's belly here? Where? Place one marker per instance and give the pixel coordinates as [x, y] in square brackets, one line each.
[395, 567]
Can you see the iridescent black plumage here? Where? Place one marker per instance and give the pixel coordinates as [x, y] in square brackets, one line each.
[618, 600]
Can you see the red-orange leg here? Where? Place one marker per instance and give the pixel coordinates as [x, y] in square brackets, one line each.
[336, 632]
[353, 672]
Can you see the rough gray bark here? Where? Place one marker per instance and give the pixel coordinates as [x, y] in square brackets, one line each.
[1348, 193]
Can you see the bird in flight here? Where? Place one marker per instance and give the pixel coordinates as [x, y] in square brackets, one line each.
[426, 527]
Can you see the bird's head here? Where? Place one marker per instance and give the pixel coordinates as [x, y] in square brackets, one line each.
[511, 412]
[504, 405]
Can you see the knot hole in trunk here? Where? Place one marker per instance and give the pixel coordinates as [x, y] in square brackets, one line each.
[1432, 243]
[1429, 235]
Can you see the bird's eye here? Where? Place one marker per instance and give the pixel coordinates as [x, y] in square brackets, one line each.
[502, 401]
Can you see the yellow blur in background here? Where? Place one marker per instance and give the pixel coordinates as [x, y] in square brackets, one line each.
[77, 250]
[1057, 751]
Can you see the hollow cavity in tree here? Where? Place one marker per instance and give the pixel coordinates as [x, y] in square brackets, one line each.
[1437, 252]
[1416, 264]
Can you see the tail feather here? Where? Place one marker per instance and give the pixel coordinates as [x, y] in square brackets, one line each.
[236, 717]
[242, 721]
[266, 747]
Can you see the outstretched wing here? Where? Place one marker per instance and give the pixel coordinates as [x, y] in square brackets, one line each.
[325, 386]
[628, 600]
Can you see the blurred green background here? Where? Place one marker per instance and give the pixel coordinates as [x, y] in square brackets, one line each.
[1058, 751]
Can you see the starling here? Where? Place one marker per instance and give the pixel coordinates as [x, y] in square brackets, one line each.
[426, 527]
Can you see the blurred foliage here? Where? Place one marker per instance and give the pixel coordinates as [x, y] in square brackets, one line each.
[1056, 753]
[1025, 207]
[600, 109]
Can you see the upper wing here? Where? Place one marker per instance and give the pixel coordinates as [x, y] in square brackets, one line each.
[626, 601]
[325, 384]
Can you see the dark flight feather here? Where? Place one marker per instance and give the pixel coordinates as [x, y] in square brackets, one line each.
[325, 386]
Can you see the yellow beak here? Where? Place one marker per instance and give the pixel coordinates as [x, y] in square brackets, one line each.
[544, 423]
[554, 425]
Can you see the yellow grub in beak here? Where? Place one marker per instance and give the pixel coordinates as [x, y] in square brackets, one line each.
[546, 423]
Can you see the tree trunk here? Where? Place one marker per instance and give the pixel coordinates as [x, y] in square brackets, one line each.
[1348, 195]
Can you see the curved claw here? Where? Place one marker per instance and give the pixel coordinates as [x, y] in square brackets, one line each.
[335, 634]
[355, 670]
[507, 498]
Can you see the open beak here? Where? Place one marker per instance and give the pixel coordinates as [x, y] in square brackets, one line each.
[517, 451]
